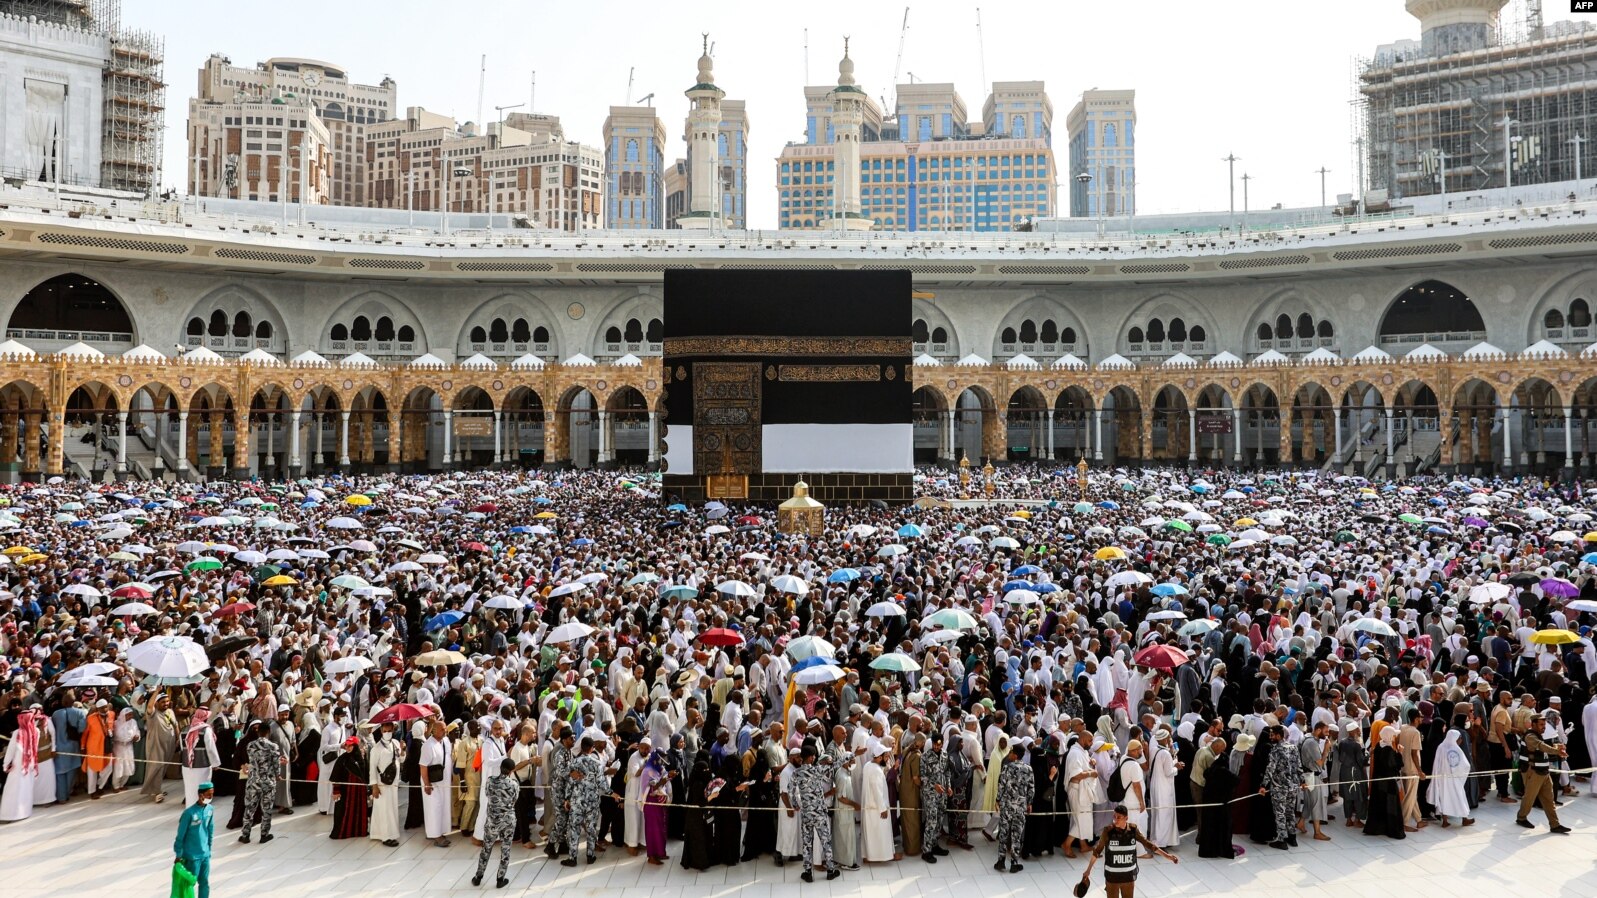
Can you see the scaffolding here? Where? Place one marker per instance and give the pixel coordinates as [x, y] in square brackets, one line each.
[1417, 116]
[133, 117]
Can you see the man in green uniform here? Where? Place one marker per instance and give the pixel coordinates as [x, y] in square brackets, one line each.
[193, 843]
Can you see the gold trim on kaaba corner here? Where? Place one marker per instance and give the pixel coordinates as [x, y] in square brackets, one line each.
[787, 346]
[813, 374]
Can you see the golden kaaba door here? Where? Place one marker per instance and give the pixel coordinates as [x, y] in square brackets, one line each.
[726, 418]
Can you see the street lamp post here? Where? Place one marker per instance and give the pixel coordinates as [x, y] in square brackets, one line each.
[1578, 141]
[1085, 180]
[1245, 179]
[1508, 157]
[450, 173]
[1322, 172]
[1231, 164]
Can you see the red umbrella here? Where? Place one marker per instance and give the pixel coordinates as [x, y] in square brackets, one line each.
[1161, 657]
[486, 508]
[131, 591]
[233, 608]
[475, 547]
[721, 636]
[400, 712]
[750, 519]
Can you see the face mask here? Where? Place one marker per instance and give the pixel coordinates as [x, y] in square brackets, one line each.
[205, 801]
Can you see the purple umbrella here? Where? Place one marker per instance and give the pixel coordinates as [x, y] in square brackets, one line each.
[1473, 521]
[1557, 586]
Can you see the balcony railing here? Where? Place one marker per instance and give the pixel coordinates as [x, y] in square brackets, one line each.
[1433, 337]
[29, 333]
[1571, 334]
[639, 349]
[1040, 351]
[1167, 348]
[1297, 344]
[510, 349]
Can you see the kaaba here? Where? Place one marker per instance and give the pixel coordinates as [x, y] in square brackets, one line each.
[776, 376]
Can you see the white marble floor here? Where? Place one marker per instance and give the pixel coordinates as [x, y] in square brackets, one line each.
[121, 846]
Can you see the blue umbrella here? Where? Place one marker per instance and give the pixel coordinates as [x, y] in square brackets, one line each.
[676, 507]
[1250, 490]
[521, 529]
[1109, 504]
[1045, 587]
[582, 541]
[1026, 570]
[1438, 501]
[814, 661]
[1018, 584]
[843, 575]
[1436, 528]
[438, 622]
[679, 591]
[1199, 488]
[911, 530]
[1589, 558]
[1169, 589]
[543, 500]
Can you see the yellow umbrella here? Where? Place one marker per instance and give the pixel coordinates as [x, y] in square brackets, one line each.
[35, 558]
[1367, 489]
[1590, 537]
[1022, 513]
[1244, 522]
[1554, 637]
[546, 515]
[1110, 553]
[280, 580]
[14, 551]
[358, 499]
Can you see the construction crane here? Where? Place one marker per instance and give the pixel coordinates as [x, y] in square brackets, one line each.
[630, 71]
[890, 111]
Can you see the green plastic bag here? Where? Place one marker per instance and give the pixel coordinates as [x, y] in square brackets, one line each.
[182, 881]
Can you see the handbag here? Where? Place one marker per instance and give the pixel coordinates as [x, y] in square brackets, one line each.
[435, 773]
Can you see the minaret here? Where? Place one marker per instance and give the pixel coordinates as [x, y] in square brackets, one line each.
[1455, 26]
[848, 115]
[704, 128]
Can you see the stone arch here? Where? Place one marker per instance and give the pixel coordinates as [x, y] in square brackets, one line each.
[1025, 424]
[524, 419]
[421, 421]
[640, 307]
[935, 321]
[1536, 419]
[1125, 427]
[1417, 415]
[626, 423]
[1038, 317]
[23, 412]
[1311, 424]
[358, 326]
[575, 434]
[1563, 311]
[926, 413]
[1168, 407]
[977, 433]
[233, 300]
[1075, 423]
[1413, 316]
[506, 310]
[1292, 304]
[70, 307]
[1156, 318]
[1469, 445]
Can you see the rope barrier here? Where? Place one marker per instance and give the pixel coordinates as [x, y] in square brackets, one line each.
[456, 782]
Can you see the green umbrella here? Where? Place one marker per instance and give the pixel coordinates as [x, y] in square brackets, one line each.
[1218, 539]
[952, 619]
[350, 581]
[1183, 526]
[642, 578]
[1409, 517]
[268, 506]
[1344, 536]
[266, 571]
[203, 564]
[1082, 508]
[896, 661]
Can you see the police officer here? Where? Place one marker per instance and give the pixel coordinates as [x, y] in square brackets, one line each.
[813, 787]
[554, 811]
[266, 760]
[1016, 785]
[582, 802]
[499, 797]
[933, 797]
[1538, 776]
[1120, 840]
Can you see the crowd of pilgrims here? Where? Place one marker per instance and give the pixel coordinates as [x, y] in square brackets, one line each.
[1263, 654]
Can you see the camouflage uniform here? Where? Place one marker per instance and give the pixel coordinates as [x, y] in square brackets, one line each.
[500, 795]
[933, 804]
[1283, 776]
[266, 760]
[1015, 790]
[582, 820]
[811, 782]
[554, 811]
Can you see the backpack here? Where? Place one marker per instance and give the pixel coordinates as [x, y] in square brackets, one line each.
[1117, 785]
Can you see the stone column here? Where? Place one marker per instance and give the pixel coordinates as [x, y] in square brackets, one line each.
[242, 434]
[56, 462]
[1336, 460]
[1569, 443]
[8, 436]
[396, 439]
[343, 440]
[1048, 417]
[1391, 446]
[216, 463]
[294, 467]
[499, 441]
[271, 443]
[948, 449]
[1506, 463]
[654, 437]
[1444, 426]
[604, 436]
[30, 445]
[122, 444]
[1236, 433]
[449, 432]
[182, 443]
[1192, 435]
[1097, 434]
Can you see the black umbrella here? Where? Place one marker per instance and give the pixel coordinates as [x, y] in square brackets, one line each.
[228, 646]
[879, 504]
[1373, 518]
[1510, 526]
[1524, 578]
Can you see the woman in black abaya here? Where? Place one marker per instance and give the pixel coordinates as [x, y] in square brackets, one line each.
[697, 822]
[1386, 804]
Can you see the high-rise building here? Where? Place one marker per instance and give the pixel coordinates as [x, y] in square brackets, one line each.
[1490, 104]
[288, 126]
[82, 99]
[634, 159]
[1103, 154]
[927, 167]
[732, 159]
[522, 166]
[676, 192]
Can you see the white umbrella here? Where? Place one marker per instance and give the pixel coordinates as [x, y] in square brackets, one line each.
[1489, 592]
[249, 556]
[1197, 627]
[361, 545]
[593, 577]
[404, 567]
[861, 530]
[504, 602]
[809, 647]
[191, 547]
[83, 589]
[1021, 597]
[566, 589]
[133, 609]
[1167, 615]
[1002, 542]
[568, 632]
[313, 553]
[944, 635]
[891, 550]
[343, 523]
[885, 609]
[92, 669]
[169, 656]
[349, 664]
[790, 584]
[1129, 578]
[432, 558]
[735, 588]
[1371, 625]
[282, 555]
[754, 556]
[1564, 536]
[717, 530]
[820, 673]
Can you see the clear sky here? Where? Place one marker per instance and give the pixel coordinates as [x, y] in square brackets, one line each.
[1269, 80]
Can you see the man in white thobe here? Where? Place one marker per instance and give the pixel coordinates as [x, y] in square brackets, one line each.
[383, 761]
[334, 732]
